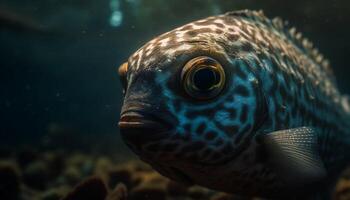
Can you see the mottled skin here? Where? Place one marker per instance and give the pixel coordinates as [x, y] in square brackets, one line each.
[275, 81]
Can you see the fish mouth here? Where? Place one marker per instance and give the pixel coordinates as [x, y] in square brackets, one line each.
[138, 129]
[130, 121]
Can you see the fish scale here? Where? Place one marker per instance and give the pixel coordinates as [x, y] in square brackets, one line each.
[315, 69]
[277, 124]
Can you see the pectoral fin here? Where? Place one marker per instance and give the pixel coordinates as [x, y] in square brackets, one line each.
[294, 155]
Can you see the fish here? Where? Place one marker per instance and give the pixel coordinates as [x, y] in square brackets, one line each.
[238, 103]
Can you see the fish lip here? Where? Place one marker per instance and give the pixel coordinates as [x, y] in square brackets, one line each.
[141, 123]
[138, 129]
[139, 119]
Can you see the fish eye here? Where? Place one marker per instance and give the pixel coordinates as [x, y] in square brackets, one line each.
[203, 78]
[122, 71]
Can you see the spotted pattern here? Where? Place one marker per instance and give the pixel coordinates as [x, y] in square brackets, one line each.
[276, 80]
[209, 132]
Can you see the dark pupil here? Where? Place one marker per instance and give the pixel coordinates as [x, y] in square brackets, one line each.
[205, 78]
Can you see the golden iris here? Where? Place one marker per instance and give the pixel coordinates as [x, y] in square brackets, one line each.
[203, 78]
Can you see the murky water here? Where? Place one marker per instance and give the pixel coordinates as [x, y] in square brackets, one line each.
[61, 96]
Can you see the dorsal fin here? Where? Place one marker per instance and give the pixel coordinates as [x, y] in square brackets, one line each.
[291, 33]
[250, 14]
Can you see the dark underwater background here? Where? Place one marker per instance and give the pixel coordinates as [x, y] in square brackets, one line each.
[60, 94]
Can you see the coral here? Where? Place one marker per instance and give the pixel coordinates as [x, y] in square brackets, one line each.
[92, 188]
[120, 192]
[346, 173]
[9, 181]
[145, 191]
[36, 175]
[102, 167]
[225, 196]
[197, 192]
[55, 193]
[72, 175]
[151, 185]
[342, 191]
[176, 189]
[77, 167]
[55, 163]
[26, 156]
[77, 159]
[52, 175]
[120, 174]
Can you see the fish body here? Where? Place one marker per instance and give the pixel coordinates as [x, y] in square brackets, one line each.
[237, 103]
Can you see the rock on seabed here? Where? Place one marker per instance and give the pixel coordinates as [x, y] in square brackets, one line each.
[55, 175]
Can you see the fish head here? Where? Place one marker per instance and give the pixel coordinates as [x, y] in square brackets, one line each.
[190, 98]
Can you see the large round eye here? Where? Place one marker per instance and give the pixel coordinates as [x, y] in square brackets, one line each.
[203, 78]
